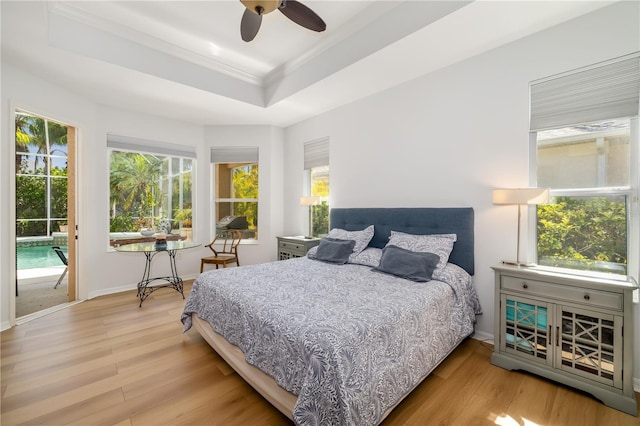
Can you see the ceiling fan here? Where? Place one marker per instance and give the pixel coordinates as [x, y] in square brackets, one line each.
[292, 9]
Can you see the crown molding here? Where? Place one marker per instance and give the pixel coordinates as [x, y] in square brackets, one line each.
[72, 10]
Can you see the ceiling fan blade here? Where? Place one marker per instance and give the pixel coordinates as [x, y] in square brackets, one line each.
[302, 15]
[250, 25]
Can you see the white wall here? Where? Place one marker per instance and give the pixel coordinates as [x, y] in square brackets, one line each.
[269, 141]
[450, 137]
[102, 269]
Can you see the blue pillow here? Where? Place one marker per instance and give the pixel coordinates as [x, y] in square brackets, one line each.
[414, 266]
[334, 250]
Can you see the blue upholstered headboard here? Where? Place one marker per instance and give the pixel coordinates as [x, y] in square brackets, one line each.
[419, 220]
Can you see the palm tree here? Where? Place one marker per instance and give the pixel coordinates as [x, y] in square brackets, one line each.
[134, 184]
[32, 131]
[23, 139]
[37, 129]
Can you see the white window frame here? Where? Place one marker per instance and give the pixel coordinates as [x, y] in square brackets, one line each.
[231, 155]
[121, 143]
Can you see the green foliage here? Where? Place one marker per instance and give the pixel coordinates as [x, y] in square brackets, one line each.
[57, 133]
[245, 185]
[139, 190]
[186, 195]
[32, 136]
[320, 188]
[59, 193]
[320, 219]
[134, 187]
[184, 216]
[22, 129]
[31, 228]
[30, 197]
[582, 232]
[121, 223]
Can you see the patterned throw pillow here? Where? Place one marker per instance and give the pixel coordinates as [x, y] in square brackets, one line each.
[361, 238]
[440, 244]
[367, 257]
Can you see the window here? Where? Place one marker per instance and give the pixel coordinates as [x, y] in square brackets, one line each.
[236, 181]
[316, 164]
[585, 132]
[587, 169]
[149, 183]
[41, 175]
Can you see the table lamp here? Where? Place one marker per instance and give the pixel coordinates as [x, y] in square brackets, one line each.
[520, 196]
[310, 201]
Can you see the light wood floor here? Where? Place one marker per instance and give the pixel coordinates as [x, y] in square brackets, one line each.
[108, 362]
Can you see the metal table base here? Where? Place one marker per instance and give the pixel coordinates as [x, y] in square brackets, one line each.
[173, 281]
[147, 284]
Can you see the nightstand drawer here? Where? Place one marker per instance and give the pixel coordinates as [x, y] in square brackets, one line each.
[572, 294]
[292, 247]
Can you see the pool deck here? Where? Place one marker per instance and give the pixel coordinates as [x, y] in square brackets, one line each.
[38, 275]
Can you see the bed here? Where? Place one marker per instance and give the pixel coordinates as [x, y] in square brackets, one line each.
[343, 342]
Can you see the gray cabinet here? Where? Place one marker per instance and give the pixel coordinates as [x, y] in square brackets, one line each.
[290, 247]
[573, 329]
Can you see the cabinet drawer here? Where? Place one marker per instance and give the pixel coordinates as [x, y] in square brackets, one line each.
[292, 247]
[572, 294]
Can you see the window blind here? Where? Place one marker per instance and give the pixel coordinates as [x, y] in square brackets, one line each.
[128, 143]
[316, 153]
[598, 92]
[234, 154]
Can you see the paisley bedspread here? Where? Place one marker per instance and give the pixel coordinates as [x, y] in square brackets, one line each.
[348, 341]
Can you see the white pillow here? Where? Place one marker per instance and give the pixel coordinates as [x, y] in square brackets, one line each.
[361, 238]
[440, 244]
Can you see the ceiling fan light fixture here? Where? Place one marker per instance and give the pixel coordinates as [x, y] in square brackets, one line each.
[292, 9]
[267, 6]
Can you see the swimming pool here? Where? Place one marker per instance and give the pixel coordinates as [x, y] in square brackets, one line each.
[38, 257]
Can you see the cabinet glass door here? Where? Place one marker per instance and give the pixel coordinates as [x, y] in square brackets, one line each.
[525, 330]
[588, 345]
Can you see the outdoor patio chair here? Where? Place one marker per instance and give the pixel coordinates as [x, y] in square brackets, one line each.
[63, 258]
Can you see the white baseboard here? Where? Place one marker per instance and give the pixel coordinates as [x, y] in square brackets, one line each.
[39, 314]
[128, 287]
[636, 384]
[112, 290]
[482, 336]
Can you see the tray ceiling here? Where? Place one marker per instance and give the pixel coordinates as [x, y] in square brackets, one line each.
[186, 60]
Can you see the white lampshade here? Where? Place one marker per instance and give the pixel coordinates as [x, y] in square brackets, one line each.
[309, 201]
[521, 196]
